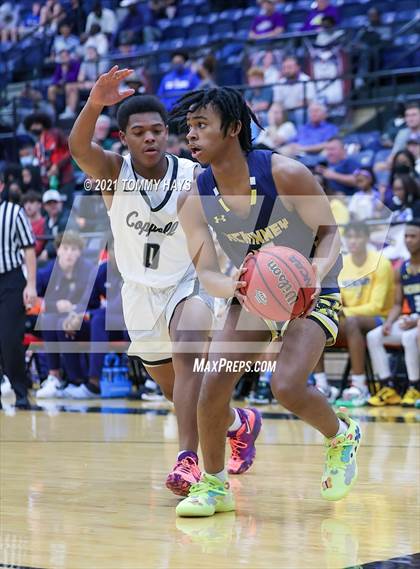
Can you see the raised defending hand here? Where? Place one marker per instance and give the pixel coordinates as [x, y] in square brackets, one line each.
[106, 91]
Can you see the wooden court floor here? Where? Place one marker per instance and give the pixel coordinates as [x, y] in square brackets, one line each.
[82, 487]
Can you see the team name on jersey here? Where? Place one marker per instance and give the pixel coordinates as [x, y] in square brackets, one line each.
[147, 227]
[261, 236]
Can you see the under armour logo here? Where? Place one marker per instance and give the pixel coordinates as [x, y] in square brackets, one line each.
[219, 218]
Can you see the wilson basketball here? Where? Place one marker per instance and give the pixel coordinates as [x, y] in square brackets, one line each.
[280, 283]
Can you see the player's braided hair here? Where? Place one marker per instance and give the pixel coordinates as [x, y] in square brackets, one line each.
[229, 103]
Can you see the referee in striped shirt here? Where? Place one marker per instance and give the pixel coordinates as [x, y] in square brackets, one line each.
[17, 246]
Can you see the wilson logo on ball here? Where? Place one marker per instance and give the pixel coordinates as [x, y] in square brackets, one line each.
[260, 297]
[283, 284]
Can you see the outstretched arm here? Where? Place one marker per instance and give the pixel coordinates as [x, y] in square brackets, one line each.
[92, 159]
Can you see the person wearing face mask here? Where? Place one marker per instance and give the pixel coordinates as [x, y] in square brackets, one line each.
[51, 150]
[405, 206]
[178, 81]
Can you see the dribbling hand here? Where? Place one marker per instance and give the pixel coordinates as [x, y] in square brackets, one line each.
[239, 284]
[315, 295]
[106, 91]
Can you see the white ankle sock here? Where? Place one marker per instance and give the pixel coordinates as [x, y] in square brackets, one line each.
[342, 428]
[237, 421]
[222, 475]
[358, 380]
[321, 380]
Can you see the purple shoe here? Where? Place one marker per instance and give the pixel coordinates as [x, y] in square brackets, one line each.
[242, 441]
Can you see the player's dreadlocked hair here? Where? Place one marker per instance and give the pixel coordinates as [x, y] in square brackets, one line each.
[229, 103]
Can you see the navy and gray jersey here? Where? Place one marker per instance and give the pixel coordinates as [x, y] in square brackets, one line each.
[269, 221]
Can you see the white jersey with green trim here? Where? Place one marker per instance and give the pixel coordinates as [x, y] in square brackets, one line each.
[150, 244]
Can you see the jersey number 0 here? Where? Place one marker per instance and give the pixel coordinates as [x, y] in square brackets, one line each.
[151, 255]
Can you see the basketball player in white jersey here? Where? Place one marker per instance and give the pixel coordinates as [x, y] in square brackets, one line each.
[162, 303]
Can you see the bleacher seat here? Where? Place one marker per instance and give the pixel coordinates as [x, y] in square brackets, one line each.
[365, 158]
[244, 23]
[174, 32]
[354, 22]
[351, 9]
[195, 42]
[388, 18]
[251, 11]
[370, 140]
[198, 29]
[186, 10]
[405, 15]
[382, 155]
[296, 16]
[223, 27]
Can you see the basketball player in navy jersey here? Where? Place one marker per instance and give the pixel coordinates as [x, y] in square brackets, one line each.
[163, 306]
[252, 198]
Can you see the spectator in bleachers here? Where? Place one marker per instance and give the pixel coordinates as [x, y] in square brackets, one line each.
[104, 17]
[366, 202]
[31, 20]
[323, 8]
[106, 323]
[269, 24]
[77, 15]
[400, 329]
[15, 193]
[30, 100]
[63, 285]
[279, 131]
[65, 41]
[370, 39]
[162, 9]
[328, 34]
[97, 40]
[56, 220]
[271, 71]
[51, 151]
[91, 67]
[405, 198]
[413, 146]
[52, 13]
[405, 205]
[8, 23]
[131, 26]
[176, 145]
[296, 90]
[31, 179]
[312, 137]
[65, 74]
[206, 72]
[367, 291]
[32, 204]
[178, 81]
[412, 121]
[102, 131]
[338, 168]
[259, 97]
